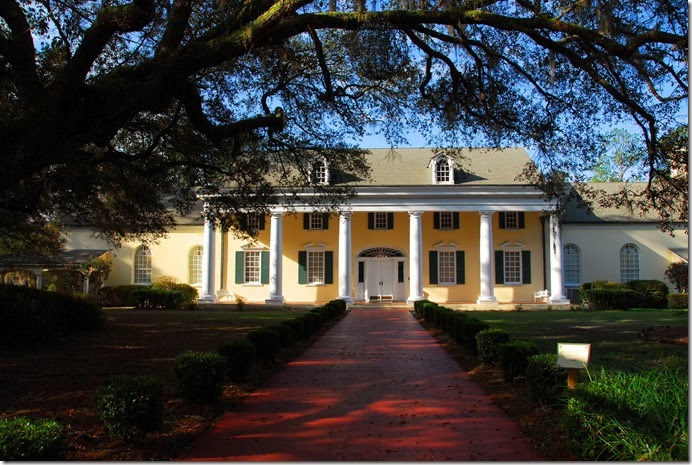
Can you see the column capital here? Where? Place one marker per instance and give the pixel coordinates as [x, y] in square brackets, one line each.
[486, 212]
[345, 215]
[415, 213]
[277, 213]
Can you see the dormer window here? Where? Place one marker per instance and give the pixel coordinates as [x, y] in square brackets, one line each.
[319, 174]
[442, 168]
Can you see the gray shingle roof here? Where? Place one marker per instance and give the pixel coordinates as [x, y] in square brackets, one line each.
[410, 167]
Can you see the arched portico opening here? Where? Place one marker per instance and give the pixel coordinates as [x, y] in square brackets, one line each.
[381, 275]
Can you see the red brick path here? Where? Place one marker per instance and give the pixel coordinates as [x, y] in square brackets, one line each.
[376, 386]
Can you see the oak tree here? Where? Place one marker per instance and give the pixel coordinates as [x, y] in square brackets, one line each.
[118, 113]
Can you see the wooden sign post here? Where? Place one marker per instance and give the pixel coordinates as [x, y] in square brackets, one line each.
[574, 357]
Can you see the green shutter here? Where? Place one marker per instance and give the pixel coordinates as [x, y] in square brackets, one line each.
[432, 255]
[325, 221]
[302, 267]
[329, 267]
[264, 269]
[240, 267]
[499, 267]
[262, 222]
[526, 267]
[461, 267]
[455, 217]
[436, 220]
[371, 220]
[521, 220]
[390, 220]
[502, 220]
[306, 220]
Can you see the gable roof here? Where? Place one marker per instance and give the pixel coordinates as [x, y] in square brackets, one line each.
[575, 213]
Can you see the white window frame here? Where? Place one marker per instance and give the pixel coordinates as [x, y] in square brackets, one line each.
[142, 266]
[510, 273]
[571, 265]
[316, 221]
[315, 267]
[380, 221]
[442, 169]
[446, 221]
[252, 266]
[253, 221]
[446, 267]
[194, 265]
[511, 220]
[630, 266]
[319, 173]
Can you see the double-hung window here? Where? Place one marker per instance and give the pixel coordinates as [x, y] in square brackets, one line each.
[512, 264]
[315, 265]
[512, 274]
[447, 265]
[252, 266]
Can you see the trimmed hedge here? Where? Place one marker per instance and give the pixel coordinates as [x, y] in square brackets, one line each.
[199, 375]
[513, 358]
[428, 310]
[156, 298]
[611, 299]
[117, 296]
[32, 440]
[29, 315]
[129, 405]
[652, 292]
[297, 327]
[487, 342]
[285, 334]
[466, 330]
[678, 301]
[546, 382]
[267, 342]
[240, 357]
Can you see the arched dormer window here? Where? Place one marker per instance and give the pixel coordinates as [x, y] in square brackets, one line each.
[442, 169]
[319, 172]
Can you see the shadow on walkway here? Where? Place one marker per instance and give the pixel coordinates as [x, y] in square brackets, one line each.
[376, 386]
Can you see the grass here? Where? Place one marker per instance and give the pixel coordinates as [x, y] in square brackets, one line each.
[614, 335]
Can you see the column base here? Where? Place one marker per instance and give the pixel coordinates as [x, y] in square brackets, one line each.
[207, 299]
[488, 300]
[276, 300]
[414, 298]
[559, 301]
[348, 299]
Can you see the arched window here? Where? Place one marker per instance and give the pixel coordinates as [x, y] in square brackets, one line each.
[442, 168]
[194, 266]
[629, 263]
[142, 268]
[571, 265]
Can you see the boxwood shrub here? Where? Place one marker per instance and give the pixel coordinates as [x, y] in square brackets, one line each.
[285, 334]
[611, 299]
[652, 292]
[678, 301]
[117, 296]
[546, 382]
[429, 310]
[466, 330]
[487, 342]
[32, 440]
[156, 298]
[309, 323]
[240, 357]
[514, 357]
[267, 342]
[297, 327]
[129, 405]
[199, 375]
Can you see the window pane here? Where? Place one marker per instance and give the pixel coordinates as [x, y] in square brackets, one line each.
[253, 221]
[442, 171]
[571, 268]
[142, 266]
[252, 267]
[629, 263]
[195, 266]
[381, 220]
[446, 220]
[446, 263]
[511, 220]
[316, 221]
[315, 267]
[512, 267]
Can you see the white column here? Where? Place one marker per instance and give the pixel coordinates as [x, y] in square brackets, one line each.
[416, 256]
[557, 296]
[486, 259]
[208, 252]
[275, 258]
[345, 269]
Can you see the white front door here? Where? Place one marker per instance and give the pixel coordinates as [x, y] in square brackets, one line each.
[380, 275]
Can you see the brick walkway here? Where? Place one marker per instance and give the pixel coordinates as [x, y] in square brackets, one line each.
[376, 386]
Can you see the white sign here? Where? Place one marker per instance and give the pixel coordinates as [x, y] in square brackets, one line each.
[573, 355]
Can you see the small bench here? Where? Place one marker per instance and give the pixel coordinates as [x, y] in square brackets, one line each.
[541, 295]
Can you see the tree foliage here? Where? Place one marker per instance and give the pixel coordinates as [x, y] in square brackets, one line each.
[114, 111]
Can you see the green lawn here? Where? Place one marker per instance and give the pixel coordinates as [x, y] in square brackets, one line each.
[614, 335]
